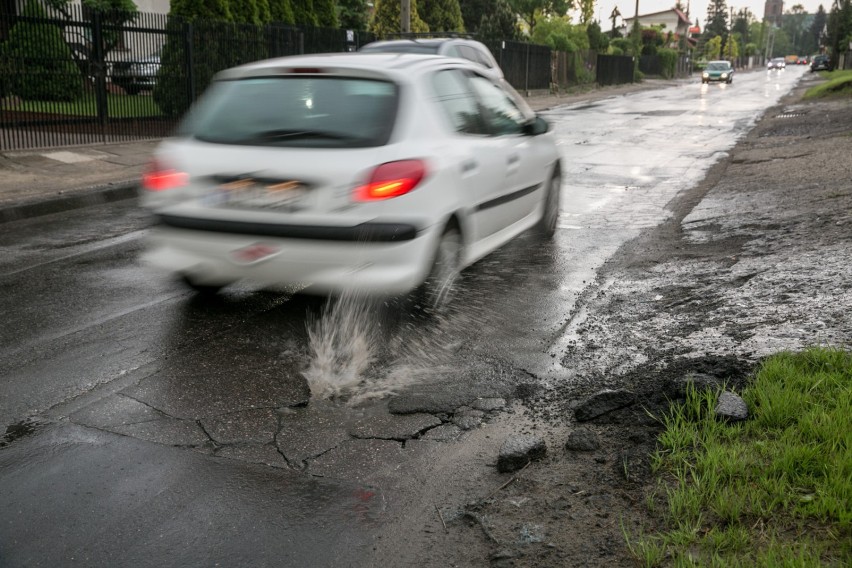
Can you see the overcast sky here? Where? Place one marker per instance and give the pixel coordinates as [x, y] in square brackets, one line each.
[697, 8]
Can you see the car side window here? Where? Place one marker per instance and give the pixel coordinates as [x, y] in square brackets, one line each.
[501, 113]
[475, 55]
[458, 102]
[452, 51]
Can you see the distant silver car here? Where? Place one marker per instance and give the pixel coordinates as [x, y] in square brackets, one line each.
[776, 63]
[464, 48]
[368, 172]
[135, 76]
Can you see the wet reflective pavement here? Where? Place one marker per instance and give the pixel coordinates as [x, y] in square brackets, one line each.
[185, 429]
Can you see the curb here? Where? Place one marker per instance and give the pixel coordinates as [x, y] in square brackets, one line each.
[94, 195]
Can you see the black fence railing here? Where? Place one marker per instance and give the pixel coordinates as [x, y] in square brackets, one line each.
[614, 69]
[82, 77]
[78, 76]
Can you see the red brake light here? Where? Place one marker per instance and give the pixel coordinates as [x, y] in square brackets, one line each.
[392, 180]
[157, 178]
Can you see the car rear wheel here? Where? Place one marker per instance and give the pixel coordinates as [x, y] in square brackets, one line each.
[201, 289]
[550, 217]
[437, 290]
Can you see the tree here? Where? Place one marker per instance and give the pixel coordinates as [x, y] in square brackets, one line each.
[211, 21]
[303, 11]
[716, 23]
[472, 12]
[442, 15]
[732, 48]
[531, 11]
[561, 35]
[114, 13]
[713, 48]
[742, 24]
[793, 23]
[244, 11]
[326, 13]
[817, 28]
[352, 14]
[190, 10]
[387, 15]
[587, 10]
[282, 11]
[598, 41]
[499, 24]
[47, 71]
[839, 28]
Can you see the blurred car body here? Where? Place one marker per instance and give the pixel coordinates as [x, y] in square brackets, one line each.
[376, 173]
[136, 76]
[718, 71]
[821, 63]
[776, 63]
[469, 49]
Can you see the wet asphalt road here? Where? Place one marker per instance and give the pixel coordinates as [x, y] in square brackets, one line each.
[155, 428]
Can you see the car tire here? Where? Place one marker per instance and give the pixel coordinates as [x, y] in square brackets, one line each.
[201, 289]
[131, 90]
[546, 226]
[436, 292]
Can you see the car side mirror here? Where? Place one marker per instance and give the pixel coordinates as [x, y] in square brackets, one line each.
[536, 126]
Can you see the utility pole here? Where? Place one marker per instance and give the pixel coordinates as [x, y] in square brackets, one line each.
[405, 16]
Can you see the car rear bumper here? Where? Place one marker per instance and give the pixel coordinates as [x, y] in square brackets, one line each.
[269, 261]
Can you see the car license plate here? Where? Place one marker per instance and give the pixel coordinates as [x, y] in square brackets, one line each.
[255, 194]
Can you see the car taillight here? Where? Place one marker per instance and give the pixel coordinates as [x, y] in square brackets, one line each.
[392, 180]
[159, 178]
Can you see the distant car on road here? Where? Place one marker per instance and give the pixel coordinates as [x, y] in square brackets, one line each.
[377, 173]
[821, 63]
[776, 63]
[718, 71]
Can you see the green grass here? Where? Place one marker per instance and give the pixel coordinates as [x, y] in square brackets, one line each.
[119, 106]
[839, 84]
[775, 490]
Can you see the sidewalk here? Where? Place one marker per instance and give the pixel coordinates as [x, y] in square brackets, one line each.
[39, 182]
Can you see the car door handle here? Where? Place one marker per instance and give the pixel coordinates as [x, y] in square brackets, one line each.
[469, 166]
[513, 162]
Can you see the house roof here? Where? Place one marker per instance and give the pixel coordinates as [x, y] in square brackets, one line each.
[680, 16]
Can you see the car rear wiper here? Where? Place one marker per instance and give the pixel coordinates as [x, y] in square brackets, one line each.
[280, 134]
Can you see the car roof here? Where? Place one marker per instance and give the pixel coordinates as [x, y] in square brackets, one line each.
[375, 64]
[423, 41]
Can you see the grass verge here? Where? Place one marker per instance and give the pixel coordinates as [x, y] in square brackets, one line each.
[118, 106]
[839, 84]
[775, 490]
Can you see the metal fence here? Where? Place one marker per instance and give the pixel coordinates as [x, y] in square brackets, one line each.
[526, 66]
[614, 69]
[77, 76]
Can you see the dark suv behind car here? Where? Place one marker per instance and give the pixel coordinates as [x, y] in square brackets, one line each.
[821, 63]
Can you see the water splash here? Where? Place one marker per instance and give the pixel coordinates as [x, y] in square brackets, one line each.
[363, 350]
[342, 345]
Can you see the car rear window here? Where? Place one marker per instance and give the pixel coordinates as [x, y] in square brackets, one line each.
[402, 48]
[294, 111]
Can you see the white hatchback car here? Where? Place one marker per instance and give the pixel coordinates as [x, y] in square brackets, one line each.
[349, 172]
